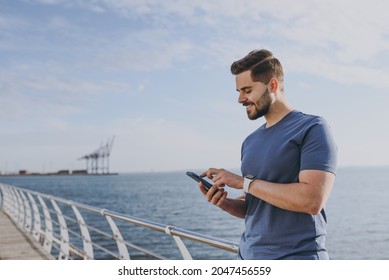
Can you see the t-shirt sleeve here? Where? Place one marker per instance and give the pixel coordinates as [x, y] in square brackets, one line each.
[318, 149]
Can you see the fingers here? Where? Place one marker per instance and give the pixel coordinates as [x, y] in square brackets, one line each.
[216, 195]
[208, 193]
[203, 189]
[222, 178]
[218, 176]
[209, 173]
[222, 199]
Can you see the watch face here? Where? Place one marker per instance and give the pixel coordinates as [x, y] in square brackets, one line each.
[250, 177]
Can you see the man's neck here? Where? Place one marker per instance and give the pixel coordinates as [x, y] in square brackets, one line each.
[276, 113]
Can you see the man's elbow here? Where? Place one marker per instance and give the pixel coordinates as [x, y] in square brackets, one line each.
[314, 208]
[319, 185]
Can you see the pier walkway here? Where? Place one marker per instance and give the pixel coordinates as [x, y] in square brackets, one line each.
[16, 245]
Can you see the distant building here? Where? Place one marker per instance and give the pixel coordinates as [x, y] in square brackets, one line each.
[24, 172]
[80, 172]
[63, 172]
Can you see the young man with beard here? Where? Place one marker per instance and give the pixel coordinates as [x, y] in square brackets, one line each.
[288, 167]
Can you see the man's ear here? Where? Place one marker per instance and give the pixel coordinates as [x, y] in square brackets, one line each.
[273, 85]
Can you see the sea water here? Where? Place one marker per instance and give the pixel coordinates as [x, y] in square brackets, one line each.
[357, 210]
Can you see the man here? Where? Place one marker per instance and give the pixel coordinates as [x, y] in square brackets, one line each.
[288, 167]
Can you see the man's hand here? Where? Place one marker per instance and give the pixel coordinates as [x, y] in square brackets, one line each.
[218, 196]
[215, 195]
[222, 177]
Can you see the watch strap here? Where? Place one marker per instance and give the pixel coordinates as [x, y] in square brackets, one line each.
[246, 183]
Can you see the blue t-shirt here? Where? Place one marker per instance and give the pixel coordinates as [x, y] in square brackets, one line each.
[278, 154]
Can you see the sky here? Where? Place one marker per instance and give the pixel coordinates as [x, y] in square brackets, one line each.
[155, 74]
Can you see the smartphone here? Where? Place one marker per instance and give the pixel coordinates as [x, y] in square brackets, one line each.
[197, 178]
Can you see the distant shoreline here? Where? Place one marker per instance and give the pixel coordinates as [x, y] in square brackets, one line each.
[57, 174]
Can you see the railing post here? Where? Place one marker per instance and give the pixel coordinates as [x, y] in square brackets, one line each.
[21, 211]
[86, 240]
[180, 244]
[13, 204]
[48, 243]
[123, 251]
[64, 250]
[27, 213]
[8, 206]
[36, 228]
[1, 196]
[4, 197]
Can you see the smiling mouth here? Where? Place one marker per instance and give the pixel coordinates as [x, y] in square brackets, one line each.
[248, 106]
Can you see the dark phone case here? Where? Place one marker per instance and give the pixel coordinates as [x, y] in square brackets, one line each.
[197, 178]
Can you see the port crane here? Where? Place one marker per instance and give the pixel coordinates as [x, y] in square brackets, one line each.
[97, 162]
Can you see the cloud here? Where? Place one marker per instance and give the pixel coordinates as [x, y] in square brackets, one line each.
[75, 57]
[345, 33]
[93, 6]
[343, 73]
[145, 51]
[9, 22]
[357, 30]
[24, 95]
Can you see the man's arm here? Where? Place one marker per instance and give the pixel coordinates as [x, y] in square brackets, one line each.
[218, 197]
[308, 195]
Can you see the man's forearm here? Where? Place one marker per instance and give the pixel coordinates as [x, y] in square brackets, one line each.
[236, 207]
[308, 196]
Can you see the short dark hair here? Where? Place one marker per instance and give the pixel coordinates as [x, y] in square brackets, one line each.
[262, 64]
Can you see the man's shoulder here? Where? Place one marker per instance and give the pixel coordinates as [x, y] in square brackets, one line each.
[296, 122]
[309, 120]
[305, 117]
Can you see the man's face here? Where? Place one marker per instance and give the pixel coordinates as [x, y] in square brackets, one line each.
[255, 96]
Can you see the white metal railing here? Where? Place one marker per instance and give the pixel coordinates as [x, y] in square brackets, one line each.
[68, 230]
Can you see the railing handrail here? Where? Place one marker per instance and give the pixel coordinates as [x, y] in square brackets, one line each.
[17, 205]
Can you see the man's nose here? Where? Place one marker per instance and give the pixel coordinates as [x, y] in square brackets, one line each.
[242, 98]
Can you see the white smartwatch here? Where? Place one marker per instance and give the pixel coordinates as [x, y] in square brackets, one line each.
[247, 181]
